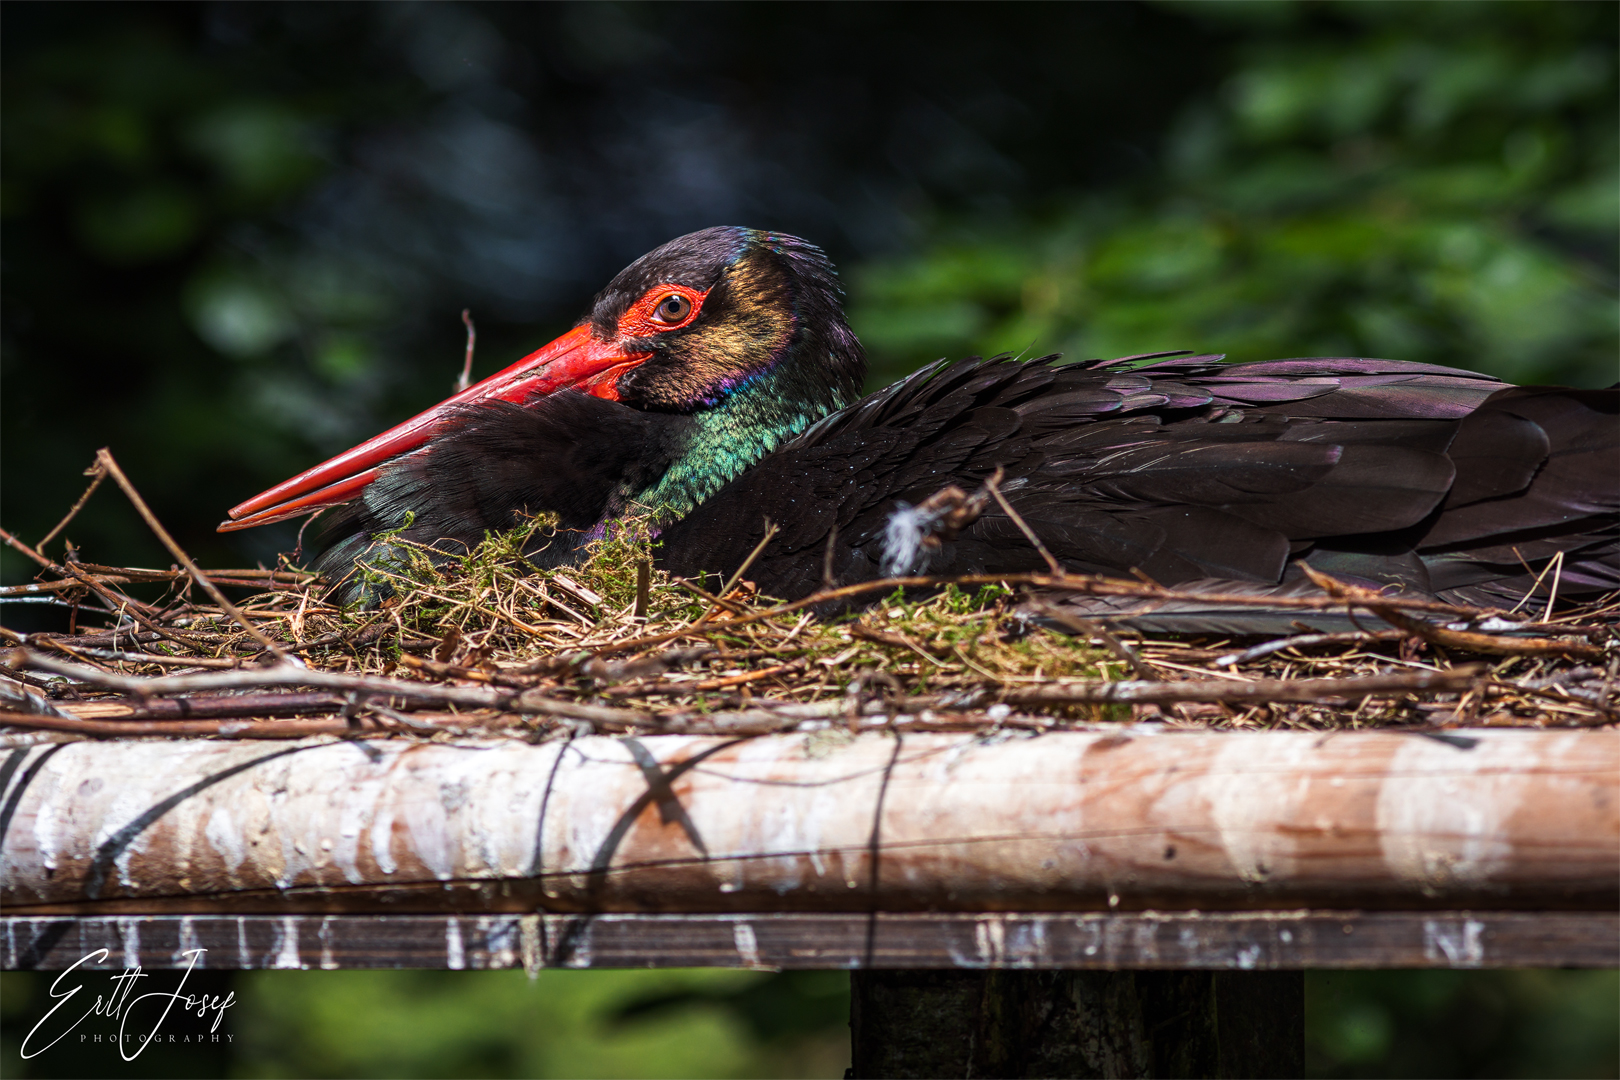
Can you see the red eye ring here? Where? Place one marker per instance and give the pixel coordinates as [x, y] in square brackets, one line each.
[661, 309]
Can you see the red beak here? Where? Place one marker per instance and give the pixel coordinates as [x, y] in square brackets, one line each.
[574, 360]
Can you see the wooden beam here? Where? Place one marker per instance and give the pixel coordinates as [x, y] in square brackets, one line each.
[1249, 941]
[1121, 821]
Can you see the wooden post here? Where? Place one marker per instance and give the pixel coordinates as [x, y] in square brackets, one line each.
[1077, 1023]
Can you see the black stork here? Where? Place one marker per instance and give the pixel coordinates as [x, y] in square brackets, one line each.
[714, 385]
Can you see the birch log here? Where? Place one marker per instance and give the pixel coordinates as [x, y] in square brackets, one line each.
[1133, 820]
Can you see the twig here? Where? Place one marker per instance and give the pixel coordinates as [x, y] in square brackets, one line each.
[267, 579]
[1440, 635]
[98, 474]
[418, 723]
[208, 707]
[298, 545]
[1260, 691]
[704, 594]
[579, 592]
[828, 581]
[115, 597]
[16, 696]
[136, 577]
[992, 484]
[529, 701]
[107, 462]
[117, 600]
[35, 588]
[69, 569]
[1566, 695]
[1534, 585]
[1301, 641]
[1112, 642]
[1557, 565]
[32, 681]
[240, 729]
[66, 649]
[440, 670]
[898, 641]
[665, 686]
[151, 658]
[643, 589]
[621, 719]
[770, 534]
[106, 638]
[28, 551]
[606, 672]
[465, 379]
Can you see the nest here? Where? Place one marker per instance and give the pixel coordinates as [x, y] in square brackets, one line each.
[488, 644]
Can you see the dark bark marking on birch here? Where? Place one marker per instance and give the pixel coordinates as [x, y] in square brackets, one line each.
[875, 851]
[10, 809]
[596, 876]
[114, 846]
[537, 864]
[13, 759]
[669, 804]
[40, 945]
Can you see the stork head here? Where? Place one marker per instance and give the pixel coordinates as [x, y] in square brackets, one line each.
[691, 327]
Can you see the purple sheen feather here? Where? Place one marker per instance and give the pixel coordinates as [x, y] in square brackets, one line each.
[1147, 356]
[1240, 380]
[1415, 380]
[1181, 395]
[1381, 402]
[1331, 365]
[1071, 403]
[1281, 390]
[1176, 364]
[1146, 400]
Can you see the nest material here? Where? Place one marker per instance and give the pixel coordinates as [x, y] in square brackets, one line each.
[488, 643]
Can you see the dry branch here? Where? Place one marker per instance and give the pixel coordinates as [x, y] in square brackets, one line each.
[1440, 635]
[97, 475]
[1259, 692]
[105, 459]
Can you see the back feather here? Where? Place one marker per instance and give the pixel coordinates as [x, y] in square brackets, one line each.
[1435, 480]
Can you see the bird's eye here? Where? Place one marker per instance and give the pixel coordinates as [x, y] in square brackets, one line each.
[672, 309]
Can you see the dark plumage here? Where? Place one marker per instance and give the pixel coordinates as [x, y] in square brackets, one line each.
[500, 462]
[719, 392]
[1438, 481]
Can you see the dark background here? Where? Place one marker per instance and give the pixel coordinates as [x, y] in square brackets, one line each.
[236, 238]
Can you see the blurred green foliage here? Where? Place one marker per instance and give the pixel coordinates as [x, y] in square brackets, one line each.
[562, 1023]
[158, 296]
[1462, 1023]
[666, 1023]
[1430, 182]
